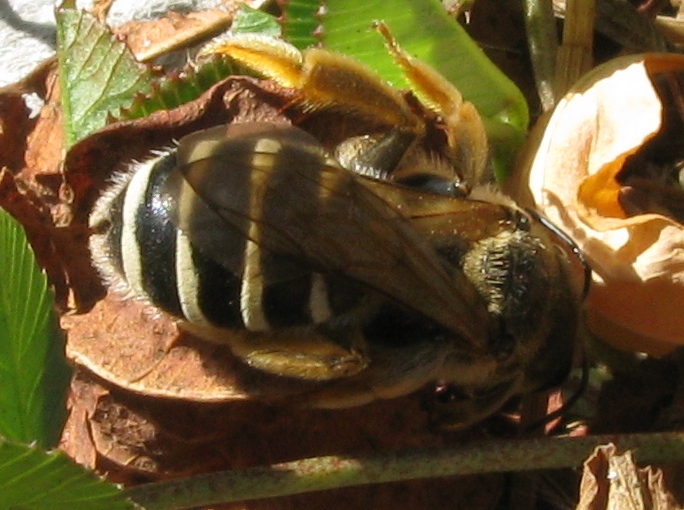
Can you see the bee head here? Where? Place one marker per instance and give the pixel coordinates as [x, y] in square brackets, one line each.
[532, 280]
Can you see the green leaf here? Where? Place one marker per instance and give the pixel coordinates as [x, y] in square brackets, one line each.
[97, 73]
[423, 29]
[34, 375]
[248, 21]
[31, 479]
[177, 89]
[300, 22]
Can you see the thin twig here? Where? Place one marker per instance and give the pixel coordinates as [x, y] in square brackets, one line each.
[542, 41]
[322, 473]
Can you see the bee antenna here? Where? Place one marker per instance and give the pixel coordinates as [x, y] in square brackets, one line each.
[570, 242]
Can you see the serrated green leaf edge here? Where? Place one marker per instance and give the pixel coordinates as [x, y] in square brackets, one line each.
[33, 479]
[177, 89]
[425, 30]
[97, 73]
[34, 375]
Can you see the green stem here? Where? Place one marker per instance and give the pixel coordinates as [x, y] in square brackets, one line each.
[321, 473]
[542, 40]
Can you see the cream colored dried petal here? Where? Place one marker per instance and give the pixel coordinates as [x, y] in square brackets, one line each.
[637, 298]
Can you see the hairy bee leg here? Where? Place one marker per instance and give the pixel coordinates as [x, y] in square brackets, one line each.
[462, 414]
[324, 79]
[395, 371]
[300, 352]
[465, 130]
[303, 355]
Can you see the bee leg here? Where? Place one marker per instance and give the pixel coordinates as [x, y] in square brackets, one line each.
[460, 413]
[303, 353]
[466, 135]
[375, 156]
[323, 79]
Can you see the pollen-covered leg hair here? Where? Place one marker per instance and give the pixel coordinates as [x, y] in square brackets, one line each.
[465, 130]
[329, 80]
[324, 79]
[303, 353]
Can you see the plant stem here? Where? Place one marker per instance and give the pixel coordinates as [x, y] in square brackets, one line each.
[321, 473]
[542, 41]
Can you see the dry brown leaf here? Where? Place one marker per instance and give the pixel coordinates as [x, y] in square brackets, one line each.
[136, 438]
[15, 124]
[32, 184]
[16, 120]
[150, 39]
[128, 344]
[638, 261]
[177, 31]
[77, 441]
[613, 482]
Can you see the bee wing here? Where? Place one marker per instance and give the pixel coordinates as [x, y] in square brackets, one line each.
[436, 215]
[272, 185]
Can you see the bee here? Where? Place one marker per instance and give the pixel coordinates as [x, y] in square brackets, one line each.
[327, 268]
[330, 81]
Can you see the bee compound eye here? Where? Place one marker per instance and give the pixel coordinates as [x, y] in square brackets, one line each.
[578, 268]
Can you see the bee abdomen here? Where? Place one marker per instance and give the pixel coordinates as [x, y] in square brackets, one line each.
[138, 247]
